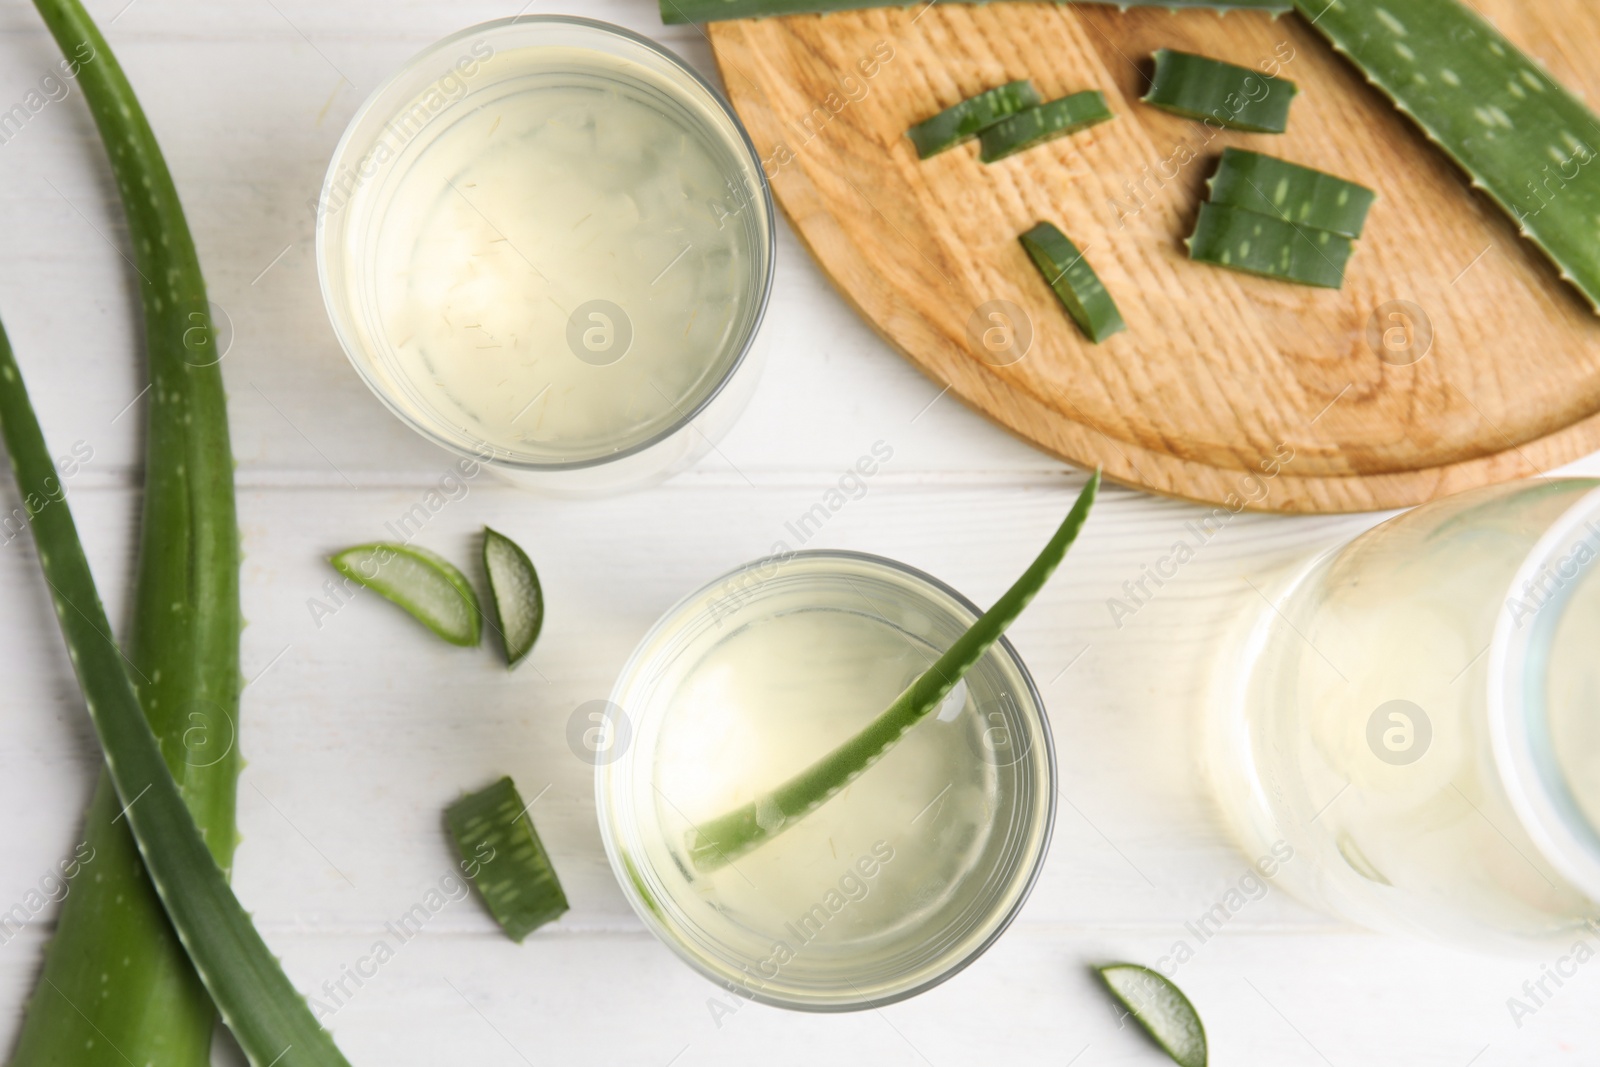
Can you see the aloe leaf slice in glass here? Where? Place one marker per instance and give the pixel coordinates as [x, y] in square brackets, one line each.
[718, 841]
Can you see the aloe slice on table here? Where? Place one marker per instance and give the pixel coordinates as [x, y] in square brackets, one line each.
[1073, 281]
[514, 593]
[502, 854]
[961, 122]
[1199, 87]
[1277, 188]
[1035, 126]
[678, 11]
[1161, 1008]
[715, 843]
[268, 1017]
[1259, 244]
[424, 584]
[1523, 139]
[114, 969]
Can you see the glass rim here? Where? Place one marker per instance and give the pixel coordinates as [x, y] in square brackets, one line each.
[1027, 873]
[483, 451]
[1535, 781]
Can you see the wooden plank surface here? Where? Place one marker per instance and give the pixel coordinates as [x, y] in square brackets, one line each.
[1219, 373]
[356, 733]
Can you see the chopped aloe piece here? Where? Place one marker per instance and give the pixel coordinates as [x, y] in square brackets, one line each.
[515, 594]
[1259, 244]
[427, 586]
[678, 11]
[1075, 283]
[962, 122]
[1198, 87]
[1046, 122]
[1270, 186]
[1522, 138]
[501, 853]
[1161, 1008]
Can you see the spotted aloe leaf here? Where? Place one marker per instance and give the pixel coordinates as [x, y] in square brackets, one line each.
[674, 11]
[1525, 141]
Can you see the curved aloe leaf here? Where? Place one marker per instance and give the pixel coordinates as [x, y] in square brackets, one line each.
[715, 843]
[1528, 143]
[269, 1019]
[114, 968]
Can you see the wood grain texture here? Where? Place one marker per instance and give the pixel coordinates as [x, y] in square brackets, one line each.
[1219, 374]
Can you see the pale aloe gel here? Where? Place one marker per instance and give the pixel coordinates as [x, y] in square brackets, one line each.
[1161, 1008]
[428, 587]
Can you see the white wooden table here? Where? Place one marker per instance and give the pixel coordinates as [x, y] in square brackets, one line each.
[359, 730]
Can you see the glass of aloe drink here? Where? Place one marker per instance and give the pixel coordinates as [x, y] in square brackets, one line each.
[1415, 723]
[547, 243]
[893, 883]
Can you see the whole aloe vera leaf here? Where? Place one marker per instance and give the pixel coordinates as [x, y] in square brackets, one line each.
[720, 840]
[1277, 188]
[115, 972]
[1525, 141]
[1259, 244]
[269, 1018]
[676, 11]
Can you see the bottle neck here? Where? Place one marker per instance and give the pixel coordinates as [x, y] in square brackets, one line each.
[1544, 694]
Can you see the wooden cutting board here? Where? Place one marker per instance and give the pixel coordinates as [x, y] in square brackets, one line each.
[1453, 357]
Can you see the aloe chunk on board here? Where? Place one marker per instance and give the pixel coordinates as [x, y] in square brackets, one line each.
[961, 122]
[1074, 282]
[1035, 126]
[1210, 90]
[1258, 244]
[1524, 140]
[1275, 187]
[679, 11]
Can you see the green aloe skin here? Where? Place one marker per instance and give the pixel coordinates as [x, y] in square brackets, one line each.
[676, 11]
[1525, 141]
[720, 841]
[116, 986]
